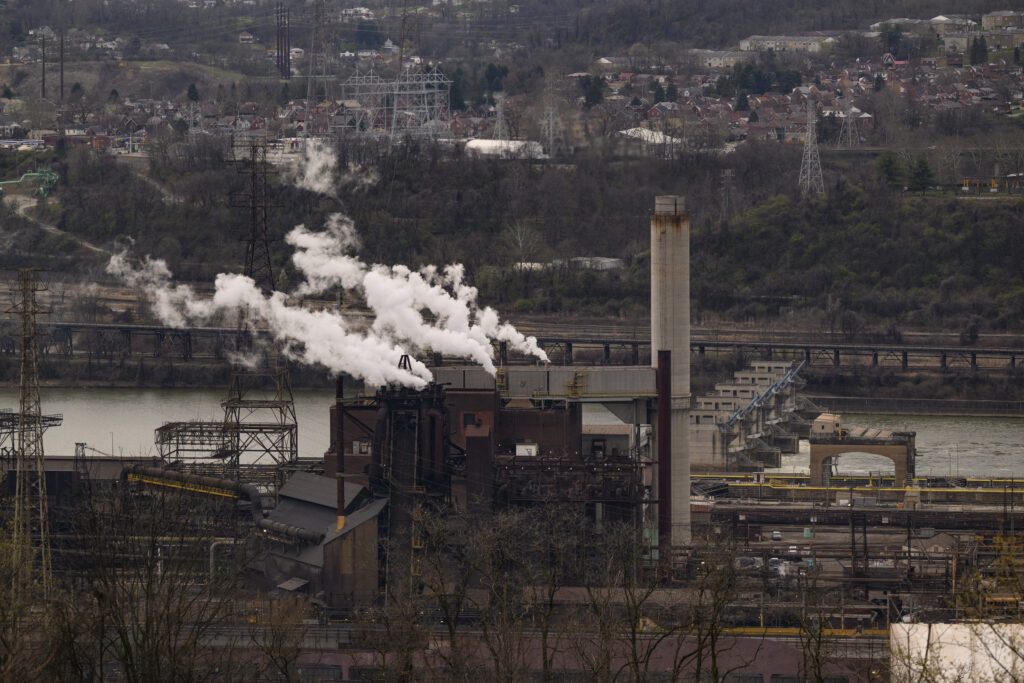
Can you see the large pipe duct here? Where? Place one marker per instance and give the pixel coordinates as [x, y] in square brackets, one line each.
[670, 331]
[215, 486]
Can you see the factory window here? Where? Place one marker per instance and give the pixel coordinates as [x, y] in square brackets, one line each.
[597, 447]
[696, 419]
[468, 420]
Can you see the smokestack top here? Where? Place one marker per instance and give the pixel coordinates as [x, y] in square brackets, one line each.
[669, 205]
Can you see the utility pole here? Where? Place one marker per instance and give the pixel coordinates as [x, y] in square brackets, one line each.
[811, 182]
[62, 66]
[279, 37]
[43, 96]
[287, 43]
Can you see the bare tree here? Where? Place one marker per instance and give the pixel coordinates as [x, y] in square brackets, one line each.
[279, 635]
[144, 598]
[25, 651]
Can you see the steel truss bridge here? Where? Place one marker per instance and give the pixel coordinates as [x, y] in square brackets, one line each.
[565, 346]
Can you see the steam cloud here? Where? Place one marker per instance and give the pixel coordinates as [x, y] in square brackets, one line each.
[399, 298]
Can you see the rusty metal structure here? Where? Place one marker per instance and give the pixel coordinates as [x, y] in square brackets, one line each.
[30, 532]
[259, 429]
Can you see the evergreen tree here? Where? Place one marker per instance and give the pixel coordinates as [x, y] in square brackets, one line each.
[593, 90]
[753, 117]
[658, 92]
[979, 51]
[920, 176]
[891, 35]
[742, 103]
[888, 165]
[193, 92]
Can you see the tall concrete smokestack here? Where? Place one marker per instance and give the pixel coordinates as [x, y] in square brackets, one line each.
[670, 331]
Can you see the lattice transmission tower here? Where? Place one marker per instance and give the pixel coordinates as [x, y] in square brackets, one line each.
[811, 181]
[728, 208]
[501, 129]
[259, 412]
[31, 532]
[551, 131]
[257, 440]
[849, 136]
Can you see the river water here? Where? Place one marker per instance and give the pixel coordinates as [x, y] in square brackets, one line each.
[128, 417]
[958, 446]
[964, 446]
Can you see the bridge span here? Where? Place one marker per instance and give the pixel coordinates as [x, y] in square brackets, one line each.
[568, 345]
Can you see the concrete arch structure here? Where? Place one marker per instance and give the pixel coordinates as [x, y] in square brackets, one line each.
[829, 440]
[902, 456]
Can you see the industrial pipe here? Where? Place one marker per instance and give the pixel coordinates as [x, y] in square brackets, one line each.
[664, 380]
[216, 486]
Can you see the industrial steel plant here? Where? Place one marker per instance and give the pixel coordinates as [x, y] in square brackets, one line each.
[544, 518]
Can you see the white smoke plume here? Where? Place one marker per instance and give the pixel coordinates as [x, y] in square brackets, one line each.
[315, 172]
[430, 309]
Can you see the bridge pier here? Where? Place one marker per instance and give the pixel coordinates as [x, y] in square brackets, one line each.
[607, 354]
[68, 347]
[835, 358]
[874, 358]
[974, 361]
[942, 360]
[807, 356]
[636, 354]
[568, 353]
[905, 362]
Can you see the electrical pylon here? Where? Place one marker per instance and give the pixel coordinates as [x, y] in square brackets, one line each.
[727, 191]
[811, 182]
[259, 412]
[848, 135]
[31, 532]
[551, 131]
[501, 131]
